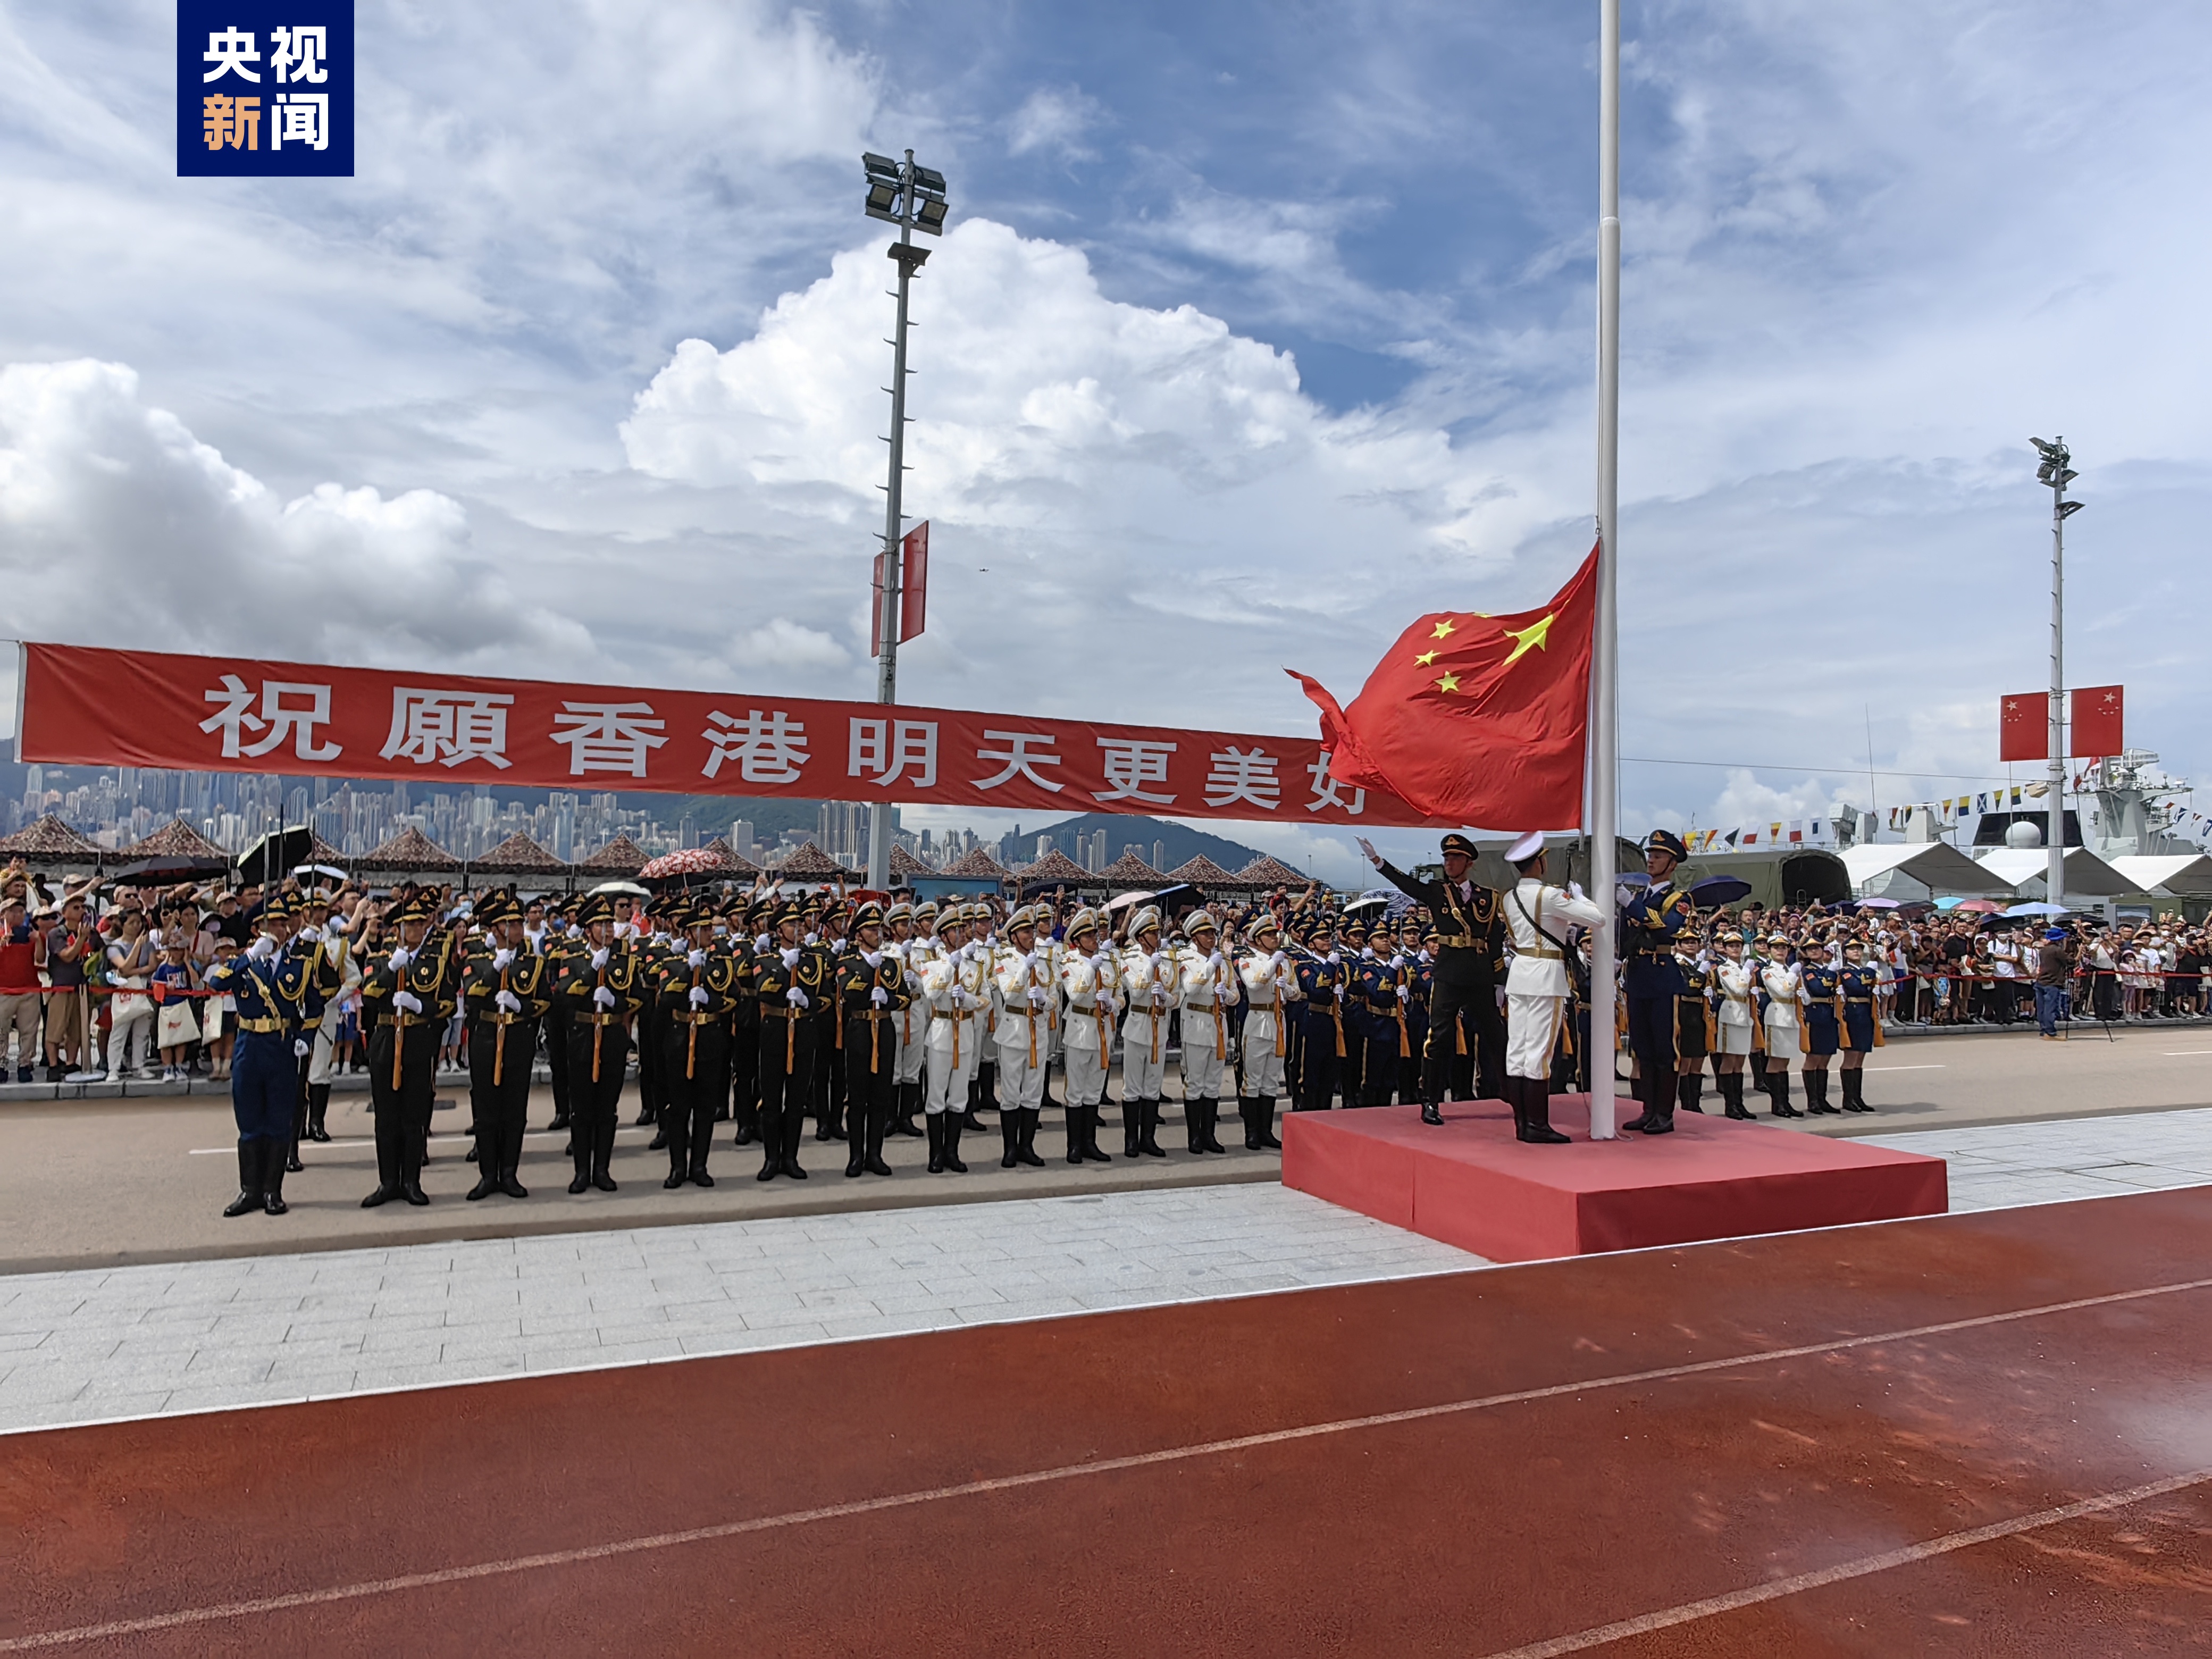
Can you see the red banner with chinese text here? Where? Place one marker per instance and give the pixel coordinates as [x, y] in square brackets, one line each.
[81, 706]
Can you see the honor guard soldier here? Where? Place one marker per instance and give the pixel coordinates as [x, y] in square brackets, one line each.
[954, 982]
[337, 975]
[1823, 1031]
[562, 938]
[1470, 956]
[505, 991]
[1538, 987]
[1322, 1048]
[1372, 1012]
[270, 984]
[413, 992]
[1149, 984]
[751, 927]
[1208, 992]
[1736, 1026]
[601, 987]
[696, 989]
[1779, 980]
[1856, 987]
[913, 1023]
[1090, 979]
[656, 947]
[1651, 919]
[1415, 961]
[1270, 988]
[872, 999]
[786, 990]
[1022, 1036]
[1693, 1023]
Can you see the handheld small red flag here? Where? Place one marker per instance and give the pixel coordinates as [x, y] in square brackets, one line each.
[1480, 720]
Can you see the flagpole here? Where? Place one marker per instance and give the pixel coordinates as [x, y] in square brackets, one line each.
[1604, 733]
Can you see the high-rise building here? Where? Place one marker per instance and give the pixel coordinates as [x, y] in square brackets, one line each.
[1044, 845]
[1097, 860]
[1159, 858]
[741, 840]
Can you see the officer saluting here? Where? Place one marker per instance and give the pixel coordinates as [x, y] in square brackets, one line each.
[1470, 940]
[270, 983]
[1650, 922]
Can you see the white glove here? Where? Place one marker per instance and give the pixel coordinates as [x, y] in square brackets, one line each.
[796, 997]
[1215, 961]
[814, 938]
[760, 941]
[1038, 996]
[1397, 961]
[508, 1002]
[604, 997]
[501, 961]
[263, 947]
[625, 930]
[1279, 961]
[306, 936]
[407, 1001]
[1334, 960]
[1162, 960]
[791, 957]
[696, 959]
[300, 1049]
[700, 998]
[1028, 961]
[1403, 994]
[879, 996]
[600, 957]
[873, 959]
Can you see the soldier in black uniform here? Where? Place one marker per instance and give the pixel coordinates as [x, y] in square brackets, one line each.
[1650, 922]
[1693, 1024]
[558, 947]
[412, 992]
[789, 983]
[601, 988]
[871, 993]
[1469, 965]
[507, 990]
[697, 985]
[750, 923]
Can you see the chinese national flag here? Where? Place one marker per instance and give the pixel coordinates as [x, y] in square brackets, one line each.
[2097, 710]
[2024, 726]
[1478, 720]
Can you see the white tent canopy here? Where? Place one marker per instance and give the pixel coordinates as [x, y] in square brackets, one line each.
[2088, 876]
[1911, 869]
[2183, 875]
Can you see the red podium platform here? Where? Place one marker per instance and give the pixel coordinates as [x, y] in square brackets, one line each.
[1472, 1184]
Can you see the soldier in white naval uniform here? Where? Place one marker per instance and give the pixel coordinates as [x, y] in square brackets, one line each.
[953, 981]
[1537, 988]
[1149, 985]
[1028, 999]
[1090, 979]
[1270, 986]
[1737, 982]
[1209, 986]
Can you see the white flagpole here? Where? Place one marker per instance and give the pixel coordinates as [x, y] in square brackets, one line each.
[1604, 714]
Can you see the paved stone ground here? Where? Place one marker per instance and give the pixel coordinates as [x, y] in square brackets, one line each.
[92, 1345]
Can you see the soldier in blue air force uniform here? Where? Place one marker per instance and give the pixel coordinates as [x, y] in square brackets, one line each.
[270, 984]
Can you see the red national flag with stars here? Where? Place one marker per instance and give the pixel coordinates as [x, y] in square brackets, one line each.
[1479, 719]
[2097, 721]
[2024, 726]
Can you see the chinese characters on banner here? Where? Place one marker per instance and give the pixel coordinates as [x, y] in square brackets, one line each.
[264, 88]
[86, 707]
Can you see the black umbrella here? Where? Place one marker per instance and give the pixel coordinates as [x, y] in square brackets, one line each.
[169, 867]
[276, 853]
[1715, 890]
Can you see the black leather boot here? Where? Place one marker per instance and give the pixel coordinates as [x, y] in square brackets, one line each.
[1245, 1105]
[908, 1103]
[1639, 1086]
[603, 1155]
[1537, 1125]
[1091, 1154]
[579, 1151]
[1025, 1137]
[856, 1154]
[1263, 1114]
[1778, 1087]
[1854, 1091]
[1149, 1144]
[272, 1179]
[1194, 1124]
[1009, 1130]
[1213, 1126]
[953, 1121]
[935, 1123]
[248, 1201]
[1689, 1090]
[1075, 1130]
[794, 1125]
[874, 1162]
[318, 1106]
[508, 1183]
[1730, 1085]
[771, 1138]
[1816, 1095]
[1133, 1126]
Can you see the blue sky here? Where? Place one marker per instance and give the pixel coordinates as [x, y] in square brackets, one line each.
[1261, 329]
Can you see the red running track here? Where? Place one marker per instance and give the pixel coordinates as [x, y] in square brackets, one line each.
[1985, 1434]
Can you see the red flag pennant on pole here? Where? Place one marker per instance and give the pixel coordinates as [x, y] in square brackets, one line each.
[1480, 720]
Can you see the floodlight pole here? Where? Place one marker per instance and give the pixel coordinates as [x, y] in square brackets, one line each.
[2054, 471]
[888, 619]
[1604, 709]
